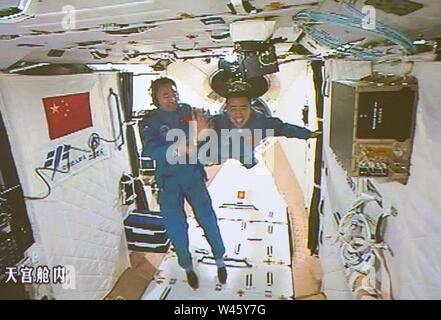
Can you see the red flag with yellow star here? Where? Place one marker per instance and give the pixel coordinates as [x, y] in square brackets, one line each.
[67, 114]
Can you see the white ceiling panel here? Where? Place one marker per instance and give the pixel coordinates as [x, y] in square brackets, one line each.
[153, 26]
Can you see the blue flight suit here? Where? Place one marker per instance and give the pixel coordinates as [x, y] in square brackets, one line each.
[177, 182]
[257, 120]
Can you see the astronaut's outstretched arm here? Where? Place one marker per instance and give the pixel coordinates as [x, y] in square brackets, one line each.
[282, 129]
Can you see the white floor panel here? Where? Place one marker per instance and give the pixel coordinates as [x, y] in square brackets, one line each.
[252, 215]
[257, 243]
[257, 183]
[259, 282]
[249, 240]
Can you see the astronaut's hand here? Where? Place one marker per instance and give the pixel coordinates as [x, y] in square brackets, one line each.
[148, 180]
[315, 134]
[202, 122]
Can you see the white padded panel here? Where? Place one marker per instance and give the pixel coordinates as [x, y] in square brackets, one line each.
[80, 223]
[413, 235]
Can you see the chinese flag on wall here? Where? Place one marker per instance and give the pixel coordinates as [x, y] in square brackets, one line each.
[67, 114]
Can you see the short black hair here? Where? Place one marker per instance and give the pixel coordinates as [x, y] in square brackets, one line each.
[154, 86]
[242, 94]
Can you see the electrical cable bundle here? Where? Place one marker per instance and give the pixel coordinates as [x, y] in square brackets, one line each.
[355, 230]
[324, 38]
[383, 30]
[361, 246]
[310, 18]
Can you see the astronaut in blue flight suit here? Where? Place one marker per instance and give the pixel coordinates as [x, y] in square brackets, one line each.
[240, 116]
[176, 181]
